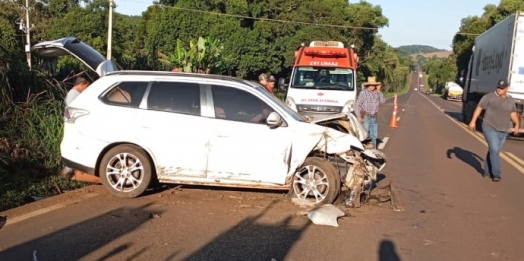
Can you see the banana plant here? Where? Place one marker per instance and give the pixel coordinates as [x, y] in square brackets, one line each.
[203, 56]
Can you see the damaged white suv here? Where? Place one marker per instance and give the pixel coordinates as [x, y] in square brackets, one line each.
[131, 127]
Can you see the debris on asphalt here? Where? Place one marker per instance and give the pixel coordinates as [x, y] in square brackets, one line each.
[326, 215]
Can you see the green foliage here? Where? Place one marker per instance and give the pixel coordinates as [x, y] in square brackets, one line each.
[203, 56]
[418, 49]
[439, 71]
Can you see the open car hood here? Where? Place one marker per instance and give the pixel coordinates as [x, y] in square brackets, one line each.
[78, 49]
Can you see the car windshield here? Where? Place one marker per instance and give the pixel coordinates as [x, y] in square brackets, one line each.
[323, 78]
[257, 86]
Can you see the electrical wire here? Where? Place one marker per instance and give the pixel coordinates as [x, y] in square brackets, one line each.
[272, 20]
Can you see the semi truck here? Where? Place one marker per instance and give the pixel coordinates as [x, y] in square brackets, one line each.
[453, 91]
[323, 81]
[498, 53]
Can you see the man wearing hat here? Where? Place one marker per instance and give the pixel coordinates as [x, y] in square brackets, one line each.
[271, 83]
[367, 105]
[499, 109]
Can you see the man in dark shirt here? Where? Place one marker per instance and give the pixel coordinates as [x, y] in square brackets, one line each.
[499, 109]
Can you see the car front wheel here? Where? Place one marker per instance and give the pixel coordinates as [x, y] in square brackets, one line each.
[125, 171]
[316, 181]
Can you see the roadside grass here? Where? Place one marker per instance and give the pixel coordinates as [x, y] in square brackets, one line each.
[30, 135]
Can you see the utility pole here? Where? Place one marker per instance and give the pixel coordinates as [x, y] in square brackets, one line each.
[109, 29]
[26, 29]
[28, 35]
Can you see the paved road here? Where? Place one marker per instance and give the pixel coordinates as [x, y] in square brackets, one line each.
[451, 213]
[386, 112]
[512, 147]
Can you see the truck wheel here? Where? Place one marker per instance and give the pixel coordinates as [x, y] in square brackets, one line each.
[316, 181]
[125, 171]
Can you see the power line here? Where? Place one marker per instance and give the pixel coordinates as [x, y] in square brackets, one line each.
[261, 19]
[273, 20]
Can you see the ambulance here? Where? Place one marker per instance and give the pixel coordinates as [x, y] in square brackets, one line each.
[323, 81]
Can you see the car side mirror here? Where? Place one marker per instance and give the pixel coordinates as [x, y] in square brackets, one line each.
[273, 120]
[282, 84]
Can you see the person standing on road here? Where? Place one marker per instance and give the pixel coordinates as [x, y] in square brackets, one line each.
[367, 106]
[81, 83]
[500, 110]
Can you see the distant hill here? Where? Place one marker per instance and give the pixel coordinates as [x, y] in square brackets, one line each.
[441, 54]
[418, 49]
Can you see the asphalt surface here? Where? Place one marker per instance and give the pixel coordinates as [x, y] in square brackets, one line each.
[454, 109]
[451, 212]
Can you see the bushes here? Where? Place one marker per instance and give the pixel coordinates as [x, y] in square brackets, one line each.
[30, 135]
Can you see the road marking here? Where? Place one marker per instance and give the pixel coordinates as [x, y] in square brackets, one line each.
[383, 143]
[505, 156]
[515, 158]
[34, 256]
[41, 211]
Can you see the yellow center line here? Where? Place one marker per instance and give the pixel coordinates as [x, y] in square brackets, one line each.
[515, 158]
[507, 156]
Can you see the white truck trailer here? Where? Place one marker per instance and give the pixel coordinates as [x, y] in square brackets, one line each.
[498, 53]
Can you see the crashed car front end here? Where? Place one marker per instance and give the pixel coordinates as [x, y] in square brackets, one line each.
[362, 161]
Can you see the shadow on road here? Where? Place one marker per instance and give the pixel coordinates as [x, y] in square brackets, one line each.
[456, 115]
[467, 157]
[252, 240]
[79, 240]
[387, 252]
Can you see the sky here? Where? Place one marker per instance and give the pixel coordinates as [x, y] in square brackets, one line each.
[423, 22]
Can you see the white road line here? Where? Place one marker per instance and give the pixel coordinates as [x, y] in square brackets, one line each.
[41, 211]
[383, 143]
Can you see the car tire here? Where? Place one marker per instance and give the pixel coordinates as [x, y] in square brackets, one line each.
[140, 178]
[323, 170]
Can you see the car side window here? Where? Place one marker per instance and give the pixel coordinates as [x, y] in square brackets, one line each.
[238, 105]
[126, 94]
[179, 97]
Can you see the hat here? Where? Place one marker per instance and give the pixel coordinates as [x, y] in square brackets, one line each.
[262, 76]
[271, 79]
[372, 81]
[502, 83]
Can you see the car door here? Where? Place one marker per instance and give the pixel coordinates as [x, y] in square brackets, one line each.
[242, 146]
[172, 128]
[75, 47]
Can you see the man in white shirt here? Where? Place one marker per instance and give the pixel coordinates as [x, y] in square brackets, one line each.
[81, 83]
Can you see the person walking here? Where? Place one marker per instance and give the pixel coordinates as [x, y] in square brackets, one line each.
[500, 110]
[367, 105]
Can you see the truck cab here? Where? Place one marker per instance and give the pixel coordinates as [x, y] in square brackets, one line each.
[323, 81]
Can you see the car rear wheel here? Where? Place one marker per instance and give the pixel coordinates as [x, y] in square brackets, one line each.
[125, 171]
[316, 181]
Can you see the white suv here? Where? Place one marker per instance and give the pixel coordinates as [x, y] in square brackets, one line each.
[130, 127]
